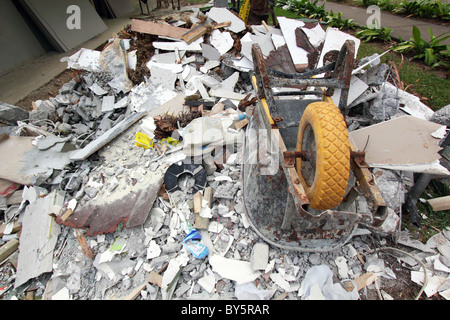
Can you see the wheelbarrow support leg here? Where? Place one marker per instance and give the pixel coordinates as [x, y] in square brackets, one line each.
[288, 213]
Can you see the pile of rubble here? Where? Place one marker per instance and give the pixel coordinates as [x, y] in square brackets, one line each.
[100, 187]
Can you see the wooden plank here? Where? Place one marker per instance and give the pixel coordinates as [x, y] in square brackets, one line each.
[221, 25]
[16, 227]
[361, 282]
[158, 29]
[84, 246]
[153, 278]
[439, 204]
[7, 249]
[200, 222]
[198, 202]
[105, 138]
[195, 33]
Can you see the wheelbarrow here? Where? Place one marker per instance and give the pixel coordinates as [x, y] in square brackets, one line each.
[301, 175]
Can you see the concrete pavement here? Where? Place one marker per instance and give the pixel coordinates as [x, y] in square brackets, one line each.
[401, 27]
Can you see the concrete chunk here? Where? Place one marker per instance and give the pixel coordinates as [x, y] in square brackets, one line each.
[12, 114]
[108, 103]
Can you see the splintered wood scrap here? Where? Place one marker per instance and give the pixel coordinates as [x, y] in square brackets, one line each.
[7, 249]
[198, 197]
[361, 282]
[66, 214]
[221, 25]
[196, 32]
[84, 246]
[441, 203]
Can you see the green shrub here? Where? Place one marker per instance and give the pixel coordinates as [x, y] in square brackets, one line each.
[424, 9]
[368, 34]
[336, 21]
[432, 52]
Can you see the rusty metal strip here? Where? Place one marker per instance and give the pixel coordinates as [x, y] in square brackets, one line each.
[369, 188]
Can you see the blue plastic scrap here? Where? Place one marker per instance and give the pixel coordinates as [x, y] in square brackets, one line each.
[192, 243]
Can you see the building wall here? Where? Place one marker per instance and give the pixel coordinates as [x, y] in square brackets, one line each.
[17, 41]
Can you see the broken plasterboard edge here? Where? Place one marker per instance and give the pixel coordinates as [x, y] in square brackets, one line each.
[180, 45]
[222, 93]
[299, 55]
[172, 67]
[432, 168]
[315, 35]
[108, 136]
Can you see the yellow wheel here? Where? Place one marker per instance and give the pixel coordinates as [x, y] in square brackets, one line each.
[323, 134]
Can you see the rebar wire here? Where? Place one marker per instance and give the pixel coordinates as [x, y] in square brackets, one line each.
[425, 281]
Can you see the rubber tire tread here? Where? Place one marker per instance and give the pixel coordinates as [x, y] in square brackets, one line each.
[332, 155]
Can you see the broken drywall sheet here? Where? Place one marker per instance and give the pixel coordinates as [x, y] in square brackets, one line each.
[264, 42]
[84, 59]
[334, 40]
[316, 35]
[148, 96]
[195, 46]
[165, 61]
[39, 236]
[222, 41]
[163, 77]
[170, 276]
[278, 40]
[16, 148]
[299, 55]
[236, 270]
[404, 143]
[357, 87]
[209, 52]
[220, 15]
